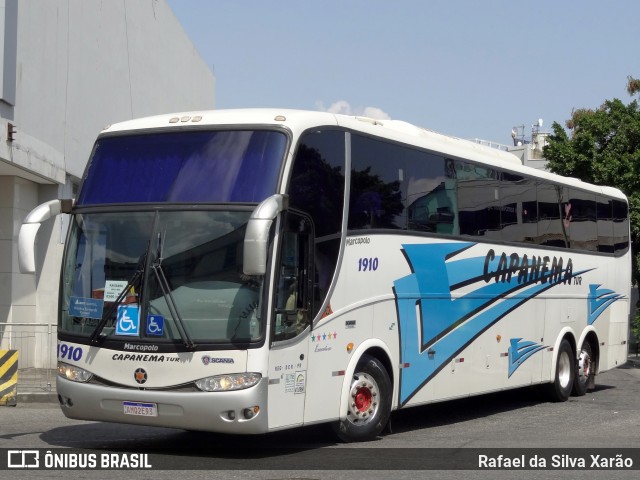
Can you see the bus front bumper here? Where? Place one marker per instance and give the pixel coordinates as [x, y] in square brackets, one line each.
[224, 412]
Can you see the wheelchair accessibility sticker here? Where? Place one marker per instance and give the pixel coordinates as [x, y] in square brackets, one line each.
[155, 325]
[128, 322]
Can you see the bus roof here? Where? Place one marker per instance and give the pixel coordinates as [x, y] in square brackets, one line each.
[297, 121]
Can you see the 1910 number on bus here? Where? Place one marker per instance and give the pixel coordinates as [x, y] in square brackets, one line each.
[69, 352]
[368, 264]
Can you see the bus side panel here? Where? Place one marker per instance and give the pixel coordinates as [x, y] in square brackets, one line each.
[469, 318]
[510, 353]
[491, 361]
[561, 319]
[287, 384]
[362, 308]
[617, 341]
[495, 315]
[328, 359]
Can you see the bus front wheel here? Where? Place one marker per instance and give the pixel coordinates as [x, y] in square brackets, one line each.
[369, 404]
[560, 389]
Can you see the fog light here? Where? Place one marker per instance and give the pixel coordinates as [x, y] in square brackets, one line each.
[231, 415]
[65, 401]
[250, 412]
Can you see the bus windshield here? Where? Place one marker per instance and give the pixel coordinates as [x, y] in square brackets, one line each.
[189, 166]
[179, 272]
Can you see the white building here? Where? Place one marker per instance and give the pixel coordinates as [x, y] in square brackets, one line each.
[68, 68]
[530, 152]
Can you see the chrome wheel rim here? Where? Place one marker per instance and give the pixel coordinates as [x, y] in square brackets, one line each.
[564, 370]
[584, 366]
[364, 396]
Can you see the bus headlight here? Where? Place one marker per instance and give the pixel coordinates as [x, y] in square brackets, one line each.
[74, 373]
[225, 383]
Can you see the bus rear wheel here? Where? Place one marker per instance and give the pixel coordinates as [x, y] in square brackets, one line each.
[586, 370]
[369, 404]
[560, 389]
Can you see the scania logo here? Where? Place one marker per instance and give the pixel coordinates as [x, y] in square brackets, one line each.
[140, 375]
[206, 359]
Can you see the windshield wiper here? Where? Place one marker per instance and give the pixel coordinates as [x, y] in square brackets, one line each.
[137, 277]
[171, 303]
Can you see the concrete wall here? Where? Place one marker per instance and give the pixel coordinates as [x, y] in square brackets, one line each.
[18, 293]
[70, 67]
[83, 64]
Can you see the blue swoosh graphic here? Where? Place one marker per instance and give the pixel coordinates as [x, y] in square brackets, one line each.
[520, 351]
[599, 299]
[448, 325]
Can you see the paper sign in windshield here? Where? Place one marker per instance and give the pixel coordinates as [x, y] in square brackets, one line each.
[113, 288]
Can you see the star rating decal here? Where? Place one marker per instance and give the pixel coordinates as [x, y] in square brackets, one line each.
[323, 337]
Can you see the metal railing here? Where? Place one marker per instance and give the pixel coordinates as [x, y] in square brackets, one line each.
[36, 346]
[490, 144]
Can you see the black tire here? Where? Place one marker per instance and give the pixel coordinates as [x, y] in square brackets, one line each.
[585, 370]
[369, 402]
[560, 389]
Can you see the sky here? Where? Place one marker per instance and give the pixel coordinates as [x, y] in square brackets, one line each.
[467, 68]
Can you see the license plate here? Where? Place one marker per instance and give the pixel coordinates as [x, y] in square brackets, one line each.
[142, 409]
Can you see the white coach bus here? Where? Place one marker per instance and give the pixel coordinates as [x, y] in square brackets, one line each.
[254, 270]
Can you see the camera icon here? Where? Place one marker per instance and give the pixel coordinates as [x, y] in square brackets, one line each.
[23, 459]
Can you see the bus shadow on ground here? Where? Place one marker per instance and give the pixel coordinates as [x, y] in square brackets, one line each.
[471, 408]
[143, 439]
[134, 438]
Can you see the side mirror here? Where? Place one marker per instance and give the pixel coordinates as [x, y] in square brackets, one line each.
[29, 230]
[256, 237]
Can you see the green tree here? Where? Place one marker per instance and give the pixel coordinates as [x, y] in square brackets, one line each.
[633, 85]
[603, 147]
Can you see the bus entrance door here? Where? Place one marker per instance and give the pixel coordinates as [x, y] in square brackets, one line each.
[290, 323]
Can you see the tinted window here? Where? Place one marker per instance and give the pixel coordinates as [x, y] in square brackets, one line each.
[429, 194]
[478, 189]
[551, 228]
[400, 187]
[580, 220]
[377, 174]
[604, 211]
[519, 212]
[195, 166]
[317, 180]
[316, 187]
[620, 226]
